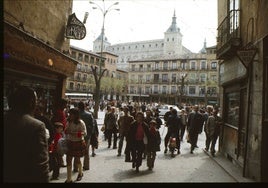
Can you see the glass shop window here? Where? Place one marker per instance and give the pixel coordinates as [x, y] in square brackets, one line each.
[233, 100]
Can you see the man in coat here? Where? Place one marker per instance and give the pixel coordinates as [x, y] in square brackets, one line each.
[194, 124]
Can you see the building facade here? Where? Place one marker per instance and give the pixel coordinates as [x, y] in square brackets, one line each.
[175, 81]
[81, 85]
[169, 47]
[35, 49]
[242, 47]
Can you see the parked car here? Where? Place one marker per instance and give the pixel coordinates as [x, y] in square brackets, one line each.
[165, 108]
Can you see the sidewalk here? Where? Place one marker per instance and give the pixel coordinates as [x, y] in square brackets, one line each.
[232, 169]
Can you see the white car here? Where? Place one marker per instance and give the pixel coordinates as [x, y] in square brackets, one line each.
[165, 108]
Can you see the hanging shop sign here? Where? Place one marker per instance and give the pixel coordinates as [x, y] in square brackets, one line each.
[75, 29]
[246, 55]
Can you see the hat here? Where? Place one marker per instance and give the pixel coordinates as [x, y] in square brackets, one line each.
[58, 124]
[153, 122]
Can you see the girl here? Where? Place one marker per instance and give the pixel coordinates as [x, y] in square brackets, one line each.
[75, 132]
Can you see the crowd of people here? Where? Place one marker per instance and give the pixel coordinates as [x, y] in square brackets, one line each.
[74, 133]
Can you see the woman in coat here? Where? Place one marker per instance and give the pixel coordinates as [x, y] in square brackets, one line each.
[138, 137]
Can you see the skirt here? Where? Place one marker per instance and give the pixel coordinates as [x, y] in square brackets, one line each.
[77, 148]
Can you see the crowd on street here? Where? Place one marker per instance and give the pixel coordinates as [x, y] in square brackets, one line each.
[130, 128]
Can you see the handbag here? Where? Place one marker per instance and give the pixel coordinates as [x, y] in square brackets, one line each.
[62, 146]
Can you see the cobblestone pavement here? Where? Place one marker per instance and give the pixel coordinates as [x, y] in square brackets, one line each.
[107, 167]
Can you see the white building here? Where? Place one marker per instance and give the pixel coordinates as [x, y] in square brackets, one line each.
[169, 47]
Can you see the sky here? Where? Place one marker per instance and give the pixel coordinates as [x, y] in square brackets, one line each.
[140, 20]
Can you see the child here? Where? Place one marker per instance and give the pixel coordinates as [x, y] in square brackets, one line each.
[55, 156]
[154, 141]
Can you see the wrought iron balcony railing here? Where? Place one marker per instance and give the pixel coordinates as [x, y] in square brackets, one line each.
[229, 39]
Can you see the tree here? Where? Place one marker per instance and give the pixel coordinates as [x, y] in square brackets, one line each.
[97, 79]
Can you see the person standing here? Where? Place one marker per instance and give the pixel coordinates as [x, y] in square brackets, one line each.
[195, 123]
[88, 119]
[124, 123]
[173, 126]
[184, 118]
[138, 137]
[26, 158]
[75, 133]
[111, 127]
[59, 115]
[55, 156]
[154, 141]
[213, 128]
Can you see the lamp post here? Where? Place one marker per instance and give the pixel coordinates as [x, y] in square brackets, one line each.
[94, 70]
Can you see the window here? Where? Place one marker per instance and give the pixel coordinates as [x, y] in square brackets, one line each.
[213, 65]
[203, 78]
[165, 65]
[71, 85]
[78, 87]
[148, 67]
[140, 67]
[173, 89]
[156, 77]
[86, 58]
[174, 65]
[132, 67]
[164, 90]
[165, 78]
[202, 90]
[232, 107]
[92, 60]
[74, 54]
[192, 90]
[85, 77]
[78, 76]
[79, 66]
[155, 89]
[193, 65]
[80, 57]
[148, 78]
[203, 65]
[156, 65]
[183, 65]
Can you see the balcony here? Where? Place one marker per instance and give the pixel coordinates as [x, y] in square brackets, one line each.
[229, 39]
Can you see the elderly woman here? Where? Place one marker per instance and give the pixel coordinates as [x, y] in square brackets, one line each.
[75, 133]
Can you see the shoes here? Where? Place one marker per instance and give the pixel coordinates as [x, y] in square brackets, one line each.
[206, 149]
[133, 165]
[128, 160]
[119, 154]
[85, 168]
[68, 181]
[178, 152]
[191, 152]
[54, 178]
[150, 168]
[79, 177]
[165, 151]
[196, 146]
[93, 154]
[213, 154]
[137, 169]
[114, 147]
[109, 146]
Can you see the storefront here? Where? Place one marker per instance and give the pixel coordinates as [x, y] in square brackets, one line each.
[31, 62]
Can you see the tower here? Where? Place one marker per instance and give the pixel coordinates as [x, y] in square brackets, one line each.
[173, 39]
[97, 43]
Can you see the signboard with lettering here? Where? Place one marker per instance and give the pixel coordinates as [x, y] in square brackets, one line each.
[75, 29]
[246, 56]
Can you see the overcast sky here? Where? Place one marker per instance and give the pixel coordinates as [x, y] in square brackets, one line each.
[140, 20]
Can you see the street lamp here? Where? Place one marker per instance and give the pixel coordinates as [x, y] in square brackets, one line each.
[98, 78]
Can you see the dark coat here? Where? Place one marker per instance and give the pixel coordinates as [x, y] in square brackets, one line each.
[154, 141]
[132, 133]
[26, 156]
[174, 124]
[195, 122]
